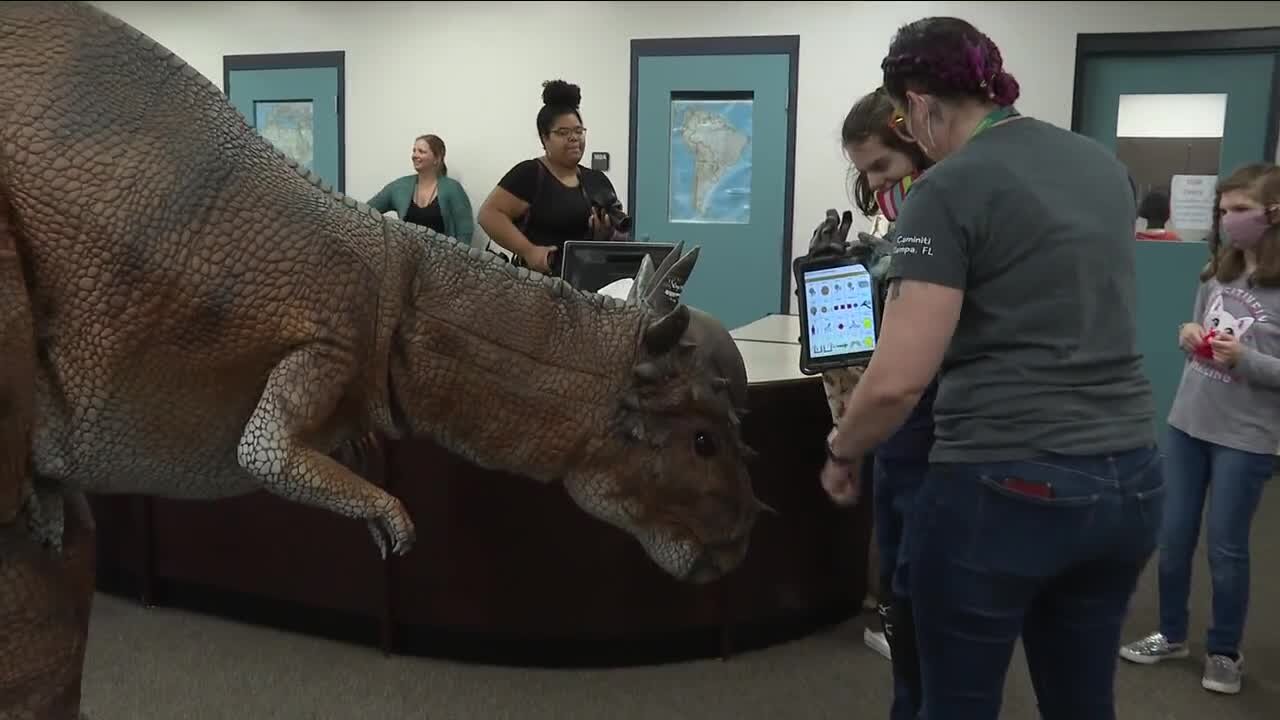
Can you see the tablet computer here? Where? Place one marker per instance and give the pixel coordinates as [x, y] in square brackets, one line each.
[840, 313]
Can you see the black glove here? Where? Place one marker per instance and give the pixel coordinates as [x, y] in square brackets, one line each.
[831, 236]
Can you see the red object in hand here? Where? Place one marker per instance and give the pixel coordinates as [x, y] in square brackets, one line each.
[1205, 348]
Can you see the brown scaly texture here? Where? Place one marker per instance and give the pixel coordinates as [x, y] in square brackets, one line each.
[203, 319]
[45, 600]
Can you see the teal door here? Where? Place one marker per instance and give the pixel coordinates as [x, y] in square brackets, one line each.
[711, 167]
[297, 109]
[1168, 272]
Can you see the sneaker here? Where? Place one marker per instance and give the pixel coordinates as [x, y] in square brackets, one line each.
[1222, 674]
[877, 641]
[1152, 649]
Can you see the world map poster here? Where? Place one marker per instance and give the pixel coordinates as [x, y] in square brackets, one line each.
[710, 161]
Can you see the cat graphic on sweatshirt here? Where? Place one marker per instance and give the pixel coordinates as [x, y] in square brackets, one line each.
[1221, 322]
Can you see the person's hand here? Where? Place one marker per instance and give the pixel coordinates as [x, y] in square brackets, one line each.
[1190, 336]
[841, 480]
[1226, 349]
[538, 258]
[601, 224]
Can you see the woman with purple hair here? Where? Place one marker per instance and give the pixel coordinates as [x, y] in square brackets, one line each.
[1013, 282]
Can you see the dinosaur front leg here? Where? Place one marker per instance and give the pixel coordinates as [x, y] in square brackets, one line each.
[46, 600]
[277, 448]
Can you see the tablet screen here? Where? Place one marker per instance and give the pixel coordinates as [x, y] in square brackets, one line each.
[841, 304]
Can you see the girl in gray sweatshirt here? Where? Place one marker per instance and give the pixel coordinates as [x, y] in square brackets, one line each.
[1224, 427]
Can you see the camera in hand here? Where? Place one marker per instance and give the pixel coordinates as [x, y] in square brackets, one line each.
[608, 201]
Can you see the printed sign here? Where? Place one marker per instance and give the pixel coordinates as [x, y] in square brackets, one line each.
[1191, 201]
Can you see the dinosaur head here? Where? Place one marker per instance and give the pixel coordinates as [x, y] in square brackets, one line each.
[670, 467]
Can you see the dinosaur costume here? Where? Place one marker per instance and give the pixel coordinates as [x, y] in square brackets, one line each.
[187, 314]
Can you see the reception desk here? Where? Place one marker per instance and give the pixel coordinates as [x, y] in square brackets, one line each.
[506, 570]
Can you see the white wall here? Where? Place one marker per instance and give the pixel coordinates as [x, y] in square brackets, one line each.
[472, 71]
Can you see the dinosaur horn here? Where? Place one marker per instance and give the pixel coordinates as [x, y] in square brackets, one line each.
[644, 278]
[663, 334]
[663, 268]
[665, 294]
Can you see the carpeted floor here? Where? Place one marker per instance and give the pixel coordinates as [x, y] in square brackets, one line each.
[171, 665]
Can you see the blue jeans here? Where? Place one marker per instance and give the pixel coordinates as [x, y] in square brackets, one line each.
[896, 483]
[1233, 481]
[1049, 549]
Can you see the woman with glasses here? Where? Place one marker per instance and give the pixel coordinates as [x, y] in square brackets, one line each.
[543, 202]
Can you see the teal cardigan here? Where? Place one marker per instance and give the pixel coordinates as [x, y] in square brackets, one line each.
[454, 204]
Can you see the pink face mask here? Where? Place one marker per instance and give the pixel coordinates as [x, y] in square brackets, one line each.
[1245, 229]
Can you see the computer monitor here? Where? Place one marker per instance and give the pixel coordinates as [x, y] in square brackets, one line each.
[589, 265]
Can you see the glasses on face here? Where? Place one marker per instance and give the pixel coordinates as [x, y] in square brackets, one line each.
[566, 133]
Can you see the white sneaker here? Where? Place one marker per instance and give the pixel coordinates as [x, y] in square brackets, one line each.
[1222, 674]
[877, 641]
[1152, 649]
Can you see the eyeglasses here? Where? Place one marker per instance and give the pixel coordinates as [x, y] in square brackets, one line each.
[565, 133]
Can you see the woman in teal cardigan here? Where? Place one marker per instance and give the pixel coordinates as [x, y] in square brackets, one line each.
[429, 197]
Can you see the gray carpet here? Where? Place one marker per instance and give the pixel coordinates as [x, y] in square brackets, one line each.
[171, 665]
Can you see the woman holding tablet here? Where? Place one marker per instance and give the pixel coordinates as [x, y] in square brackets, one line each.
[1013, 275]
[887, 165]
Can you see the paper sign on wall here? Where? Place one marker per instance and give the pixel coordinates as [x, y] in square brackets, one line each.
[1191, 201]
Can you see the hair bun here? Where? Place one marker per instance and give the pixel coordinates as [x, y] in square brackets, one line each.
[561, 94]
[1004, 89]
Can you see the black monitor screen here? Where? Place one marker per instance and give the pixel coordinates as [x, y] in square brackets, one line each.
[589, 265]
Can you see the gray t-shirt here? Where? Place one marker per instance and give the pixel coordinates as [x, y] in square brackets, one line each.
[1235, 407]
[1035, 224]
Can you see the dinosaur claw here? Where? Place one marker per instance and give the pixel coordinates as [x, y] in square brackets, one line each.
[378, 538]
[392, 530]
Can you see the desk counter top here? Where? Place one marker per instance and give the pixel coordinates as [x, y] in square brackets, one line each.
[770, 363]
[771, 328]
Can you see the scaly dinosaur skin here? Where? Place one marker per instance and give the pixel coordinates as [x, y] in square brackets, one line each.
[206, 320]
[45, 602]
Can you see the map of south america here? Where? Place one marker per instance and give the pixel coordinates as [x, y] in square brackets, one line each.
[711, 169]
[716, 146]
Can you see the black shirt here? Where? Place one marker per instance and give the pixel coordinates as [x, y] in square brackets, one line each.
[557, 212]
[430, 216]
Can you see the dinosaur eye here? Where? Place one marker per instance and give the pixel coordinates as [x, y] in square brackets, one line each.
[704, 444]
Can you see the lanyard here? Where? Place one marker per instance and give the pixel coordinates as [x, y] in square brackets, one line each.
[994, 117]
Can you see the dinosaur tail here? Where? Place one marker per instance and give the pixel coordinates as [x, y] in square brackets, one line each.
[17, 373]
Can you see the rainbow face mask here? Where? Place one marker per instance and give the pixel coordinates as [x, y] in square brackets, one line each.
[890, 199]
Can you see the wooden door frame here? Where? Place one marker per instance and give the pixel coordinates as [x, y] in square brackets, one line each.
[1193, 42]
[300, 61]
[788, 45]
